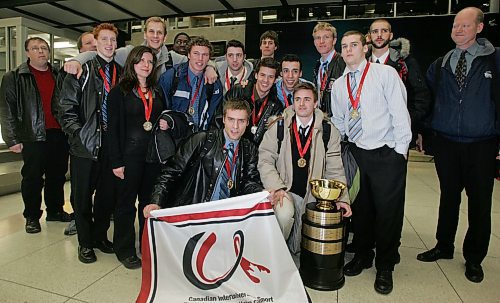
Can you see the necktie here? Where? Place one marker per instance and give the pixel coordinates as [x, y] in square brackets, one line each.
[233, 80]
[224, 190]
[355, 129]
[377, 61]
[104, 109]
[461, 70]
[302, 132]
[289, 97]
[196, 103]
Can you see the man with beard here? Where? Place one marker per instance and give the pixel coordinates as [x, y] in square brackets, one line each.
[397, 55]
[329, 67]
[233, 67]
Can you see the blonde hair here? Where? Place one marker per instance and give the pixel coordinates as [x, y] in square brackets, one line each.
[324, 26]
[155, 19]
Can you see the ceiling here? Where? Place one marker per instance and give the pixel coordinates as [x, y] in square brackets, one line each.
[82, 15]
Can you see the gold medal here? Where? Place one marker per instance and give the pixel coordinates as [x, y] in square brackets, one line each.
[147, 126]
[191, 110]
[354, 114]
[302, 162]
[230, 184]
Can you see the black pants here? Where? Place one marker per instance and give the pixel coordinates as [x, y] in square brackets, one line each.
[138, 183]
[379, 205]
[44, 158]
[469, 166]
[92, 219]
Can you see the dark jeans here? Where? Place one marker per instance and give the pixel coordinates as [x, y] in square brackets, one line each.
[379, 205]
[47, 159]
[469, 166]
[138, 184]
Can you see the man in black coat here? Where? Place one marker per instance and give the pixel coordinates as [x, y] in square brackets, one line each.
[210, 165]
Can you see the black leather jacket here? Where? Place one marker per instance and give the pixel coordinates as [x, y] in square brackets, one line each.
[79, 110]
[335, 69]
[189, 177]
[21, 113]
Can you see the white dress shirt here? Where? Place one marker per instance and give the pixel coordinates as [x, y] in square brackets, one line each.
[384, 116]
[382, 58]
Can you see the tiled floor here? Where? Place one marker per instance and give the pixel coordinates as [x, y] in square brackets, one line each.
[44, 267]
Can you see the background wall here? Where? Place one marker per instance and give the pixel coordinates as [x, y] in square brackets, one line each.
[429, 36]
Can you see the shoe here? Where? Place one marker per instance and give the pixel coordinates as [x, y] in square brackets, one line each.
[474, 272]
[33, 226]
[105, 246]
[434, 255]
[383, 282]
[86, 255]
[59, 216]
[132, 262]
[356, 266]
[70, 229]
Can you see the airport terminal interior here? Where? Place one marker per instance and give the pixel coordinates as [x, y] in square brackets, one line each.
[44, 267]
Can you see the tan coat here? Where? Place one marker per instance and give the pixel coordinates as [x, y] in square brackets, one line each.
[276, 170]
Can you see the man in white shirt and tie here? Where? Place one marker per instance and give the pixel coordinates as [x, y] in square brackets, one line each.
[369, 106]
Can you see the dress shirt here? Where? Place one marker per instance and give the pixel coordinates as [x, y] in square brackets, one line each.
[216, 193]
[308, 124]
[384, 115]
[469, 56]
[321, 61]
[239, 77]
[382, 58]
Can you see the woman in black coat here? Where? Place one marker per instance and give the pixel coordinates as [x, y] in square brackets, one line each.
[133, 107]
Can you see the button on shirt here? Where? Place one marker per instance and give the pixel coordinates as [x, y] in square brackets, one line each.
[384, 115]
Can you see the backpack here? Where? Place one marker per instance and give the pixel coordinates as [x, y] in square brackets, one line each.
[281, 133]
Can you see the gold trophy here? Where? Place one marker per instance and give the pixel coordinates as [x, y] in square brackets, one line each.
[323, 233]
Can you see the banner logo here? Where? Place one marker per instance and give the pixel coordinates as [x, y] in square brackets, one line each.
[199, 279]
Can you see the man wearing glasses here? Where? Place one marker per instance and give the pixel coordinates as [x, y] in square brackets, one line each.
[29, 128]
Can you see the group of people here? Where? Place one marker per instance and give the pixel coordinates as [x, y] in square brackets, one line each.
[170, 128]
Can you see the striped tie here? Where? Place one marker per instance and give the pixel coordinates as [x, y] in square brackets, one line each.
[224, 190]
[355, 130]
[104, 110]
[196, 103]
[461, 70]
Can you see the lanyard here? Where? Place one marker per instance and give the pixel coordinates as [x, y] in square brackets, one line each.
[302, 151]
[230, 166]
[355, 102]
[147, 108]
[323, 80]
[228, 83]
[287, 103]
[106, 83]
[256, 119]
[191, 103]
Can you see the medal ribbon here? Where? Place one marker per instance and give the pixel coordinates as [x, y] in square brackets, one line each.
[228, 83]
[106, 83]
[323, 80]
[302, 151]
[147, 108]
[287, 103]
[355, 102]
[256, 119]
[191, 103]
[230, 166]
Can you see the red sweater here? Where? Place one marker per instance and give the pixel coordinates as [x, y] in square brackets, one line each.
[45, 82]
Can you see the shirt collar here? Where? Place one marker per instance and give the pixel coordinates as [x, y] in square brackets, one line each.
[382, 58]
[238, 76]
[361, 68]
[191, 75]
[472, 50]
[229, 140]
[328, 59]
[299, 123]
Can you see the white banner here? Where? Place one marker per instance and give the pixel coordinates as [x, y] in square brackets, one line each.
[222, 251]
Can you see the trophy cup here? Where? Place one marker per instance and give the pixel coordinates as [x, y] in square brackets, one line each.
[323, 232]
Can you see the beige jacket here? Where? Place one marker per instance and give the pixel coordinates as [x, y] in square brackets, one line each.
[276, 170]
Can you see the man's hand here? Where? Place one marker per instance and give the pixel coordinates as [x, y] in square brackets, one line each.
[163, 124]
[18, 148]
[210, 75]
[276, 197]
[420, 143]
[119, 172]
[346, 208]
[74, 68]
[148, 208]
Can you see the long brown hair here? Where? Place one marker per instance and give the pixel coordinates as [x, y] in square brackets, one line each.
[129, 77]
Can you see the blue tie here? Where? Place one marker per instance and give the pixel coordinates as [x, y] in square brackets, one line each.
[196, 103]
[224, 190]
[104, 110]
[355, 129]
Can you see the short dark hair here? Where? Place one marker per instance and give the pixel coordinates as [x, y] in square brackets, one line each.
[79, 42]
[27, 42]
[235, 43]
[270, 35]
[181, 34]
[291, 58]
[236, 104]
[356, 33]
[129, 76]
[268, 62]
[381, 20]
[199, 41]
[306, 86]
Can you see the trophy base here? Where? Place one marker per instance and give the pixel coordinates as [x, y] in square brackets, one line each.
[322, 253]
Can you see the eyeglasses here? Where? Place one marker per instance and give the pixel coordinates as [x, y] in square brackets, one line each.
[37, 49]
